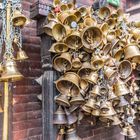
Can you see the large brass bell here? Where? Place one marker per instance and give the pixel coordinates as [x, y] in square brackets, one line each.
[21, 55]
[10, 72]
[71, 134]
[107, 109]
[48, 27]
[18, 19]
[77, 99]
[71, 117]
[125, 69]
[91, 37]
[92, 77]
[59, 31]
[59, 48]
[132, 51]
[59, 117]
[76, 63]
[62, 100]
[97, 62]
[68, 84]
[62, 63]
[104, 12]
[120, 88]
[74, 41]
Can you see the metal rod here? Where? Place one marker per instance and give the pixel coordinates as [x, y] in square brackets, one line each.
[6, 90]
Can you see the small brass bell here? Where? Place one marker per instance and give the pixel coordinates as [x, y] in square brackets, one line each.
[111, 23]
[59, 31]
[77, 99]
[125, 69]
[111, 94]
[89, 22]
[68, 84]
[59, 48]
[71, 117]
[84, 85]
[64, 8]
[51, 16]
[18, 19]
[10, 72]
[95, 91]
[107, 48]
[48, 28]
[104, 28]
[62, 63]
[60, 117]
[86, 110]
[120, 88]
[104, 12]
[111, 35]
[83, 11]
[21, 55]
[62, 100]
[56, 3]
[71, 134]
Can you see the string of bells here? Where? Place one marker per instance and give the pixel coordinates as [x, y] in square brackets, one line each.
[97, 55]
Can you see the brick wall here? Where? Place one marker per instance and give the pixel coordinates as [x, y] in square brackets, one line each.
[27, 118]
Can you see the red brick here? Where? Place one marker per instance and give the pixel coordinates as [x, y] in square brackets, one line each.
[34, 131]
[19, 134]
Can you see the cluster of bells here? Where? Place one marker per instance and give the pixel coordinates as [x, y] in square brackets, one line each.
[97, 54]
[8, 69]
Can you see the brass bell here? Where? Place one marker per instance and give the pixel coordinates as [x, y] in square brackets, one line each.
[83, 86]
[68, 84]
[59, 117]
[85, 70]
[71, 117]
[89, 22]
[73, 108]
[62, 100]
[51, 16]
[83, 11]
[104, 90]
[111, 23]
[111, 94]
[125, 69]
[48, 27]
[71, 6]
[120, 88]
[59, 48]
[132, 51]
[18, 19]
[107, 48]
[76, 63]
[56, 3]
[86, 109]
[78, 15]
[123, 102]
[77, 99]
[95, 112]
[63, 62]
[107, 109]
[104, 28]
[129, 131]
[84, 56]
[74, 41]
[21, 55]
[92, 77]
[111, 35]
[10, 72]
[59, 31]
[64, 8]
[104, 12]
[110, 72]
[97, 62]
[91, 37]
[95, 91]
[71, 134]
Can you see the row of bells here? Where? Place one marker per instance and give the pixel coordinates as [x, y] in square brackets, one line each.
[97, 52]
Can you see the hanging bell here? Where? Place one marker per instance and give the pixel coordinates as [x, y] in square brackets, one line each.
[77, 99]
[111, 94]
[59, 31]
[68, 84]
[85, 70]
[21, 55]
[104, 28]
[59, 117]
[91, 37]
[87, 110]
[71, 117]
[125, 69]
[18, 19]
[104, 90]
[71, 134]
[64, 8]
[83, 11]
[111, 23]
[104, 13]
[56, 3]
[74, 41]
[48, 28]
[71, 6]
[95, 112]
[107, 109]
[95, 91]
[62, 100]
[107, 48]
[132, 51]
[97, 62]
[120, 88]
[92, 77]
[89, 22]
[63, 63]
[51, 16]
[111, 35]
[59, 48]
[10, 72]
